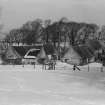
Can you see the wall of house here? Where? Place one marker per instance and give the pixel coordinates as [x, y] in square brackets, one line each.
[29, 61]
[73, 61]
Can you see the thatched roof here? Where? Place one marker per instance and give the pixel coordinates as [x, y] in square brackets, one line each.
[80, 51]
[94, 44]
[11, 53]
[14, 52]
[42, 54]
[102, 44]
[49, 49]
[83, 51]
[20, 51]
[71, 53]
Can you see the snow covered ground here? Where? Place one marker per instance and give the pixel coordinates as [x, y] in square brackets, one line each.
[63, 86]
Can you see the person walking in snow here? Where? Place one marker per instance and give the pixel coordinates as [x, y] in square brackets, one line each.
[75, 67]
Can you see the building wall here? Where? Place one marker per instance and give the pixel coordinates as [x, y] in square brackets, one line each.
[76, 61]
[29, 61]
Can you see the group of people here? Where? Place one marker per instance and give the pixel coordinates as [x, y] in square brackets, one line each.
[51, 62]
[51, 65]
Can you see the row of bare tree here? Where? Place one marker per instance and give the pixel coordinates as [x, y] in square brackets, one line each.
[39, 31]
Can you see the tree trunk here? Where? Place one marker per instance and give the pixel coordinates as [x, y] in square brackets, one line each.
[65, 42]
[59, 56]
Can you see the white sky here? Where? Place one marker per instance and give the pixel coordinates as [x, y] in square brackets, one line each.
[17, 12]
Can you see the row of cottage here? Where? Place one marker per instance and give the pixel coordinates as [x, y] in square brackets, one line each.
[79, 55]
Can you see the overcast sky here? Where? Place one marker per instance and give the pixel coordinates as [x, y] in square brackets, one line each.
[17, 12]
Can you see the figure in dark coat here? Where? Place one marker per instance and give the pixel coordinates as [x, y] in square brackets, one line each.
[75, 67]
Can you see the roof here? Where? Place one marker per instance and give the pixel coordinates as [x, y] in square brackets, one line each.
[80, 51]
[102, 44]
[14, 52]
[83, 51]
[11, 53]
[94, 44]
[42, 54]
[22, 50]
[71, 53]
[49, 49]
[32, 53]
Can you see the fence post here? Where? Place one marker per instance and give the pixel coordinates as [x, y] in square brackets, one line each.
[88, 64]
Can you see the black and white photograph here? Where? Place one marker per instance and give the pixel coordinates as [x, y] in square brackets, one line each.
[52, 52]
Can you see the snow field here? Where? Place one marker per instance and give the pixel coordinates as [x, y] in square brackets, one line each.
[63, 86]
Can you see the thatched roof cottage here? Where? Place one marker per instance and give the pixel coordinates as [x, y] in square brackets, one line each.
[78, 55]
